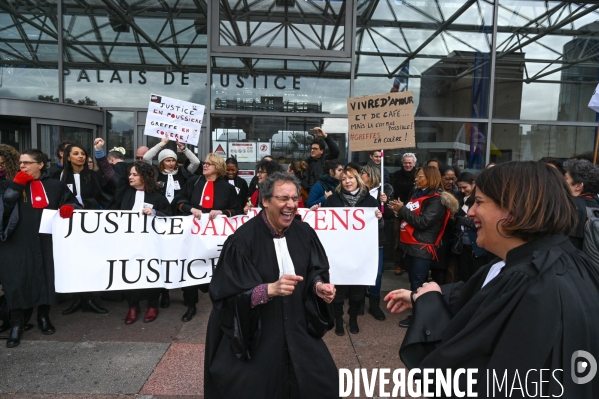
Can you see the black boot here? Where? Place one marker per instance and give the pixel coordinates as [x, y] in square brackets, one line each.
[75, 306]
[375, 309]
[191, 311]
[165, 300]
[91, 306]
[353, 325]
[338, 309]
[43, 322]
[16, 330]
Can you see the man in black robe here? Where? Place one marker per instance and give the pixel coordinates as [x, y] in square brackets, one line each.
[258, 343]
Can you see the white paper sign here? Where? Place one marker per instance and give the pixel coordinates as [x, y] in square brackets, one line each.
[594, 103]
[175, 119]
[243, 151]
[127, 250]
[264, 149]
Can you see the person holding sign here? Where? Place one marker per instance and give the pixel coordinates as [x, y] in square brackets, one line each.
[270, 292]
[170, 178]
[352, 192]
[142, 194]
[27, 268]
[210, 193]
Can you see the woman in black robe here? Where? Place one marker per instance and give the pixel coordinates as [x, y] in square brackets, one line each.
[258, 342]
[142, 194]
[532, 308]
[209, 193]
[241, 186]
[27, 267]
[87, 185]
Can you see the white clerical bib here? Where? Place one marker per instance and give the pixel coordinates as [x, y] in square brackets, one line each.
[138, 206]
[170, 189]
[77, 178]
[283, 257]
[493, 272]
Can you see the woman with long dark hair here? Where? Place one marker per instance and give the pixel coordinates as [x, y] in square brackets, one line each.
[27, 267]
[351, 192]
[142, 194]
[299, 169]
[212, 194]
[87, 186]
[423, 222]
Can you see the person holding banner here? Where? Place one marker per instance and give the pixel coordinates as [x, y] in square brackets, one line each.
[87, 185]
[210, 193]
[142, 194]
[27, 268]
[270, 291]
[423, 222]
[170, 178]
[352, 192]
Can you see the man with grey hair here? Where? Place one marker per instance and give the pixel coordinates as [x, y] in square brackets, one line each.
[403, 184]
[264, 338]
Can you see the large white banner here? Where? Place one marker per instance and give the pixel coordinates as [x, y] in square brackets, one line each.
[118, 250]
[175, 119]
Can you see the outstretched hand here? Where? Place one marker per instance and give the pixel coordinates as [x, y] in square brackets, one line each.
[399, 300]
[284, 286]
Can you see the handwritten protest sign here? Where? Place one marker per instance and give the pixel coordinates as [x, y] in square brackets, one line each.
[175, 119]
[381, 121]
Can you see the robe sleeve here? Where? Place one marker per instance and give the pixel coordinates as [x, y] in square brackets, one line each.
[162, 206]
[231, 293]
[68, 198]
[183, 198]
[232, 208]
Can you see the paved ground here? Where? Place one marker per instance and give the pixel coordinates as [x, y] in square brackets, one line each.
[99, 357]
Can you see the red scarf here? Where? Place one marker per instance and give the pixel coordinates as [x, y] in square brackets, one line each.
[39, 199]
[208, 195]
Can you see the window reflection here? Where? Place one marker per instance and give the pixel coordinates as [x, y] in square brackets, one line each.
[121, 133]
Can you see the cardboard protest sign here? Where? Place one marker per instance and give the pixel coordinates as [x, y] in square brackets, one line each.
[381, 121]
[175, 119]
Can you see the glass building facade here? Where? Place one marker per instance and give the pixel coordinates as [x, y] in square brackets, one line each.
[493, 81]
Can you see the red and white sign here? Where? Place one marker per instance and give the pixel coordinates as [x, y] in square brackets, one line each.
[220, 148]
[264, 149]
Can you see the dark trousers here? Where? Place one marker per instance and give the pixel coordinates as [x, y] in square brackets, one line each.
[375, 290]
[356, 296]
[190, 294]
[151, 294]
[22, 316]
[417, 269]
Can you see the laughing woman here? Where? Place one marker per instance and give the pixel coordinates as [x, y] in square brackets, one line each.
[27, 266]
[533, 309]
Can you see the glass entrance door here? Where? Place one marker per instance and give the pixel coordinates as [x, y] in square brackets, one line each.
[49, 136]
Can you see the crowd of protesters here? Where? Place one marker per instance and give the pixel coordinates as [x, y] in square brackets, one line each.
[428, 205]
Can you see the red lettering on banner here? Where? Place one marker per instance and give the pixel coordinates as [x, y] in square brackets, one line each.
[227, 223]
[336, 216]
[304, 217]
[317, 219]
[357, 218]
[195, 222]
[210, 225]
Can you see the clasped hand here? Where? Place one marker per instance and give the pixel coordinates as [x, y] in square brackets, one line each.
[400, 300]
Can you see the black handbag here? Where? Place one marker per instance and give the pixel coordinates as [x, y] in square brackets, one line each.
[319, 318]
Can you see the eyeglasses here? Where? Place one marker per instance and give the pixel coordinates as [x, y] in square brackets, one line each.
[315, 148]
[286, 198]
[27, 162]
[450, 178]
[208, 164]
[261, 172]
[420, 176]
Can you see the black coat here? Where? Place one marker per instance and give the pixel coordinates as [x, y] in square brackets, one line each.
[428, 224]
[403, 184]
[539, 310]
[241, 188]
[316, 165]
[125, 199]
[181, 176]
[26, 257]
[247, 260]
[54, 171]
[225, 196]
[582, 203]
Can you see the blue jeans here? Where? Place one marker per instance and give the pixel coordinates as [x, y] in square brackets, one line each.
[417, 269]
[375, 290]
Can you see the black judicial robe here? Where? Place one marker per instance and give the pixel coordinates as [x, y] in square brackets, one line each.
[225, 196]
[241, 186]
[26, 257]
[248, 259]
[541, 308]
[125, 199]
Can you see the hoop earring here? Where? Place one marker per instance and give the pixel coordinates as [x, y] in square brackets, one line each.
[497, 228]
